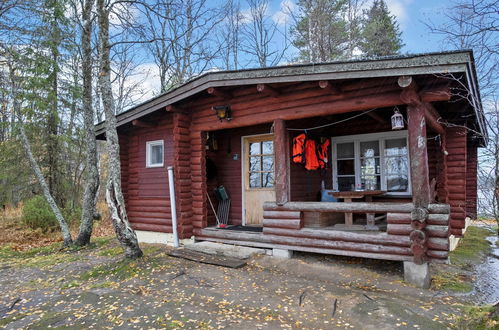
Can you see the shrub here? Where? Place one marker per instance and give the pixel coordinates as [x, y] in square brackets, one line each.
[37, 214]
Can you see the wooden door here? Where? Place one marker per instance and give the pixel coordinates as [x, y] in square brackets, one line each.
[258, 176]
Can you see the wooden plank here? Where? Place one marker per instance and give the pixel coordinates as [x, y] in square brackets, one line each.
[281, 154]
[207, 258]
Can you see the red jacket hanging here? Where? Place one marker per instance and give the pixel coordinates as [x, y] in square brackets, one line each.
[311, 161]
[299, 149]
[322, 153]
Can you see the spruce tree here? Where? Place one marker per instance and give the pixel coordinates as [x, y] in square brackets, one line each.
[381, 33]
[320, 32]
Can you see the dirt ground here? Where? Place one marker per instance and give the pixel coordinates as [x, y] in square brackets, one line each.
[95, 288]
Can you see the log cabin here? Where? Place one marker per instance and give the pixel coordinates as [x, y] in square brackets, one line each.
[396, 180]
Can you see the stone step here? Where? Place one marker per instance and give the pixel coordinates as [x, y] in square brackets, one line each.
[228, 250]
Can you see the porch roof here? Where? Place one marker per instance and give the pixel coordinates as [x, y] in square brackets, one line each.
[457, 62]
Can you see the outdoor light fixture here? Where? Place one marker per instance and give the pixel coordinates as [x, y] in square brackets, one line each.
[223, 112]
[397, 120]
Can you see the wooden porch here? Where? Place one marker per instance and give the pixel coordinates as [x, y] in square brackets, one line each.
[283, 229]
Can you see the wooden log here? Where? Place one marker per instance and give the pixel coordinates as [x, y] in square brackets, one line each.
[219, 93]
[141, 123]
[398, 218]
[282, 171]
[327, 85]
[399, 229]
[458, 224]
[432, 118]
[437, 254]
[438, 219]
[282, 214]
[340, 245]
[437, 231]
[382, 239]
[343, 207]
[283, 223]
[381, 256]
[267, 89]
[437, 243]
[418, 155]
[440, 93]
[439, 208]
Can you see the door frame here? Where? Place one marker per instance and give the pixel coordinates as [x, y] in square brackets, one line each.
[243, 171]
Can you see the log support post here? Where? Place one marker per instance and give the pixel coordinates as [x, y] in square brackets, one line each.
[417, 272]
[281, 152]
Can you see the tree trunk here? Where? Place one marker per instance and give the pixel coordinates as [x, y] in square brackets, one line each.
[92, 175]
[66, 234]
[114, 195]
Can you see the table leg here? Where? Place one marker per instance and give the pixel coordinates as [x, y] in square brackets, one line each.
[370, 216]
[348, 215]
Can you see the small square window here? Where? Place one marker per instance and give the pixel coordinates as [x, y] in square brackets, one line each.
[154, 153]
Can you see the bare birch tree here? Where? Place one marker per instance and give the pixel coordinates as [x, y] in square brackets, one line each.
[114, 195]
[92, 170]
[181, 35]
[260, 35]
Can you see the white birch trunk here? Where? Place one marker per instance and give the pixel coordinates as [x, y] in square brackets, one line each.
[66, 234]
[92, 175]
[114, 195]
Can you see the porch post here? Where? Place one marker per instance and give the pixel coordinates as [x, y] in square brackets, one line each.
[281, 154]
[417, 272]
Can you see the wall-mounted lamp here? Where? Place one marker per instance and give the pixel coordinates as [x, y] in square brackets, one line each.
[397, 120]
[223, 112]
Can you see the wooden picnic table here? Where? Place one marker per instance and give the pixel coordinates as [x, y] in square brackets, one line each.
[347, 196]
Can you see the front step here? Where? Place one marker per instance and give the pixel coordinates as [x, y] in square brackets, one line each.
[233, 251]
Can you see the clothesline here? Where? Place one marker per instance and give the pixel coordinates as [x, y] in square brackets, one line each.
[333, 123]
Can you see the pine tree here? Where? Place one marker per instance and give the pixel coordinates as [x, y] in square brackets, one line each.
[381, 33]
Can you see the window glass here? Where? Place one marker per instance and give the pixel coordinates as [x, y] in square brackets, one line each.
[255, 148]
[377, 164]
[267, 147]
[346, 150]
[346, 167]
[346, 183]
[395, 147]
[255, 180]
[369, 149]
[154, 153]
[255, 163]
[267, 179]
[268, 163]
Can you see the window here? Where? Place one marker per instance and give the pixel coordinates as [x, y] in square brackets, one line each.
[261, 164]
[154, 153]
[377, 161]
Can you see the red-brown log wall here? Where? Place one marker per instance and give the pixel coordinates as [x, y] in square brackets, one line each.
[456, 177]
[471, 181]
[146, 189]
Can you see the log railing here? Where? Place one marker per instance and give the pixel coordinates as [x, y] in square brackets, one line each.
[284, 224]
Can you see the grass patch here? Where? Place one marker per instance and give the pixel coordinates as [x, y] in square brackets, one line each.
[111, 252]
[472, 247]
[479, 318]
[71, 284]
[123, 269]
[12, 318]
[105, 284]
[449, 281]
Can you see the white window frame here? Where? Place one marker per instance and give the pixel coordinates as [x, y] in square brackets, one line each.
[381, 138]
[149, 145]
